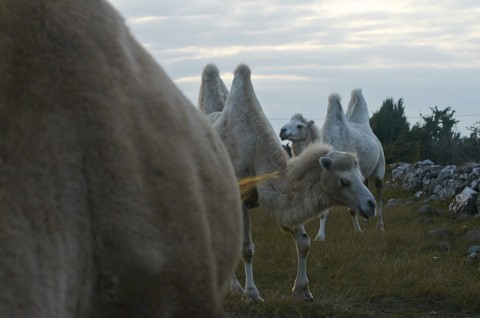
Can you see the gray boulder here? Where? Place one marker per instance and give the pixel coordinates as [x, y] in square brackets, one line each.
[464, 203]
[427, 210]
[441, 233]
[473, 235]
[473, 252]
[474, 249]
[399, 171]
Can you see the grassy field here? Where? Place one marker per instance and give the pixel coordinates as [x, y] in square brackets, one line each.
[403, 272]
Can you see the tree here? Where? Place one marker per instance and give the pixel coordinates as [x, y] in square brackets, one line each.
[437, 136]
[434, 137]
[470, 146]
[390, 126]
[475, 131]
[389, 123]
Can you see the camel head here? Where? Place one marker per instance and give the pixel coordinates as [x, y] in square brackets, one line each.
[343, 181]
[296, 128]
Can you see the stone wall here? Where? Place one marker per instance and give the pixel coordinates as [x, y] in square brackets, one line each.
[426, 180]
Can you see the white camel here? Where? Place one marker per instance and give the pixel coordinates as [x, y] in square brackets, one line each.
[117, 198]
[301, 132]
[316, 180]
[353, 135]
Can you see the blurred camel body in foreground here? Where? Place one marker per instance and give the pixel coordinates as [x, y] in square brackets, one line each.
[318, 179]
[117, 197]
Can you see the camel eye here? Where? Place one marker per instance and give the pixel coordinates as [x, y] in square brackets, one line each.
[299, 126]
[345, 182]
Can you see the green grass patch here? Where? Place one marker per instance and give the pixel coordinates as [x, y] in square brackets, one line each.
[402, 272]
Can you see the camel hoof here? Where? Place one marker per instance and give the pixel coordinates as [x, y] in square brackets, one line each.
[303, 294]
[252, 295]
[381, 227]
[253, 299]
[320, 238]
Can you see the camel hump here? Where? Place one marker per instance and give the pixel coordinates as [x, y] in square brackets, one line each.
[334, 98]
[334, 110]
[243, 71]
[356, 98]
[210, 72]
[357, 111]
[242, 83]
[357, 93]
[213, 92]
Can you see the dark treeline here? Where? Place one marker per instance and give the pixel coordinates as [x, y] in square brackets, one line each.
[434, 138]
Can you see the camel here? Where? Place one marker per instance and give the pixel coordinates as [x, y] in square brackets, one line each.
[353, 135]
[301, 132]
[118, 199]
[357, 110]
[317, 179]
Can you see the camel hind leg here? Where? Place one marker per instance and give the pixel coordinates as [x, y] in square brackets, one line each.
[235, 286]
[250, 293]
[379, 174]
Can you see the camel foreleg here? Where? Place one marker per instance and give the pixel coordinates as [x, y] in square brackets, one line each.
[356, 224]
[302, 240]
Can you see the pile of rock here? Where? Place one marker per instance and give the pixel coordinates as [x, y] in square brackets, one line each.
[427, 180]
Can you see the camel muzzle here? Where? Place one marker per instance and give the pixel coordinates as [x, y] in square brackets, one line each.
[283, 134]
[369, 211]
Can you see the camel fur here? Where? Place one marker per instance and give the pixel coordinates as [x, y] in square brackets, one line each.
[353, 134]
[357, 111]
[309, 183]
[117, 197]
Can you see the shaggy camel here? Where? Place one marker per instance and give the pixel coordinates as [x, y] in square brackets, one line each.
[353, 135]
[316, 180]
[301, 132]
[110, 207]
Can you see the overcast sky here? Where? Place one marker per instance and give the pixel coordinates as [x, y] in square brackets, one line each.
[424, 51]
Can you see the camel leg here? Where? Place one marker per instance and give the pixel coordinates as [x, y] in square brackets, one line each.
[356, 224]
[302, 241]
[235, 286]
[379, 208]
[251, 292]
[321, 230]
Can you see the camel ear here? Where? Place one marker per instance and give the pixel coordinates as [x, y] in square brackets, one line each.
[326, 163]
[310, 123]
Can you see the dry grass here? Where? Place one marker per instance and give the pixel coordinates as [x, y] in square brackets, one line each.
[246, 185]
[400, 273]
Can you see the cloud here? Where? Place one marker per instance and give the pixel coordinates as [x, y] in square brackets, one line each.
[427, 52]
[331, 27]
